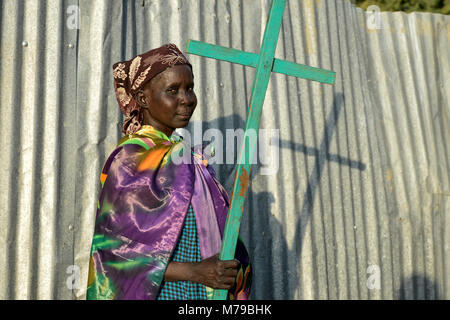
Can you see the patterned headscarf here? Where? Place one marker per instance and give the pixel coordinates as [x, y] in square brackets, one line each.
[132, 75]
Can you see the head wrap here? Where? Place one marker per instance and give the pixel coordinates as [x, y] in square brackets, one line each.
[132, 75]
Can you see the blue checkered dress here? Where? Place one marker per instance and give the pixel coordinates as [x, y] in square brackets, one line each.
[187, 250]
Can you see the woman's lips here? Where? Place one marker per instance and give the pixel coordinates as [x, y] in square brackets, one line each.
[184, 116]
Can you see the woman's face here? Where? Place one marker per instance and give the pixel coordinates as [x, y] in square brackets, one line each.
[168, 99]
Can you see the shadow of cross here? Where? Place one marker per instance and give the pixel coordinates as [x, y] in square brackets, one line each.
[265, 64]
[321, 154]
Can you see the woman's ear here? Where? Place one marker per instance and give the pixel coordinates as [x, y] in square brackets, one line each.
[141, 99]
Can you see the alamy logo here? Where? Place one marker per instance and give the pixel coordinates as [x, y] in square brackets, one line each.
[373, 19]
[374, 280]
[73, 17]
[262, 147]
[73, 281]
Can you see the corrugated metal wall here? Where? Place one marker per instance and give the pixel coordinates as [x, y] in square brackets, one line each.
[363, 182]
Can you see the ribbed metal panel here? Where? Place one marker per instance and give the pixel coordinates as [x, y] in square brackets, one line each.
[363, 179]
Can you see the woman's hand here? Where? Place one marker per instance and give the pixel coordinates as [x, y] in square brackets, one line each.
[215, 273]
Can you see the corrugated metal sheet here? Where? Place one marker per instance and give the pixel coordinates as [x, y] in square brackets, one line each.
[363, 180]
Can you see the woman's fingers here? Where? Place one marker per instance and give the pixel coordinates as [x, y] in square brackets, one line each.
[230, 272]
[222, 273]
[226, 283]
[230, 263]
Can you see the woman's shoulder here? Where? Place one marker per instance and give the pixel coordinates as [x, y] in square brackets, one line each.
[127, 152]
[145, 142]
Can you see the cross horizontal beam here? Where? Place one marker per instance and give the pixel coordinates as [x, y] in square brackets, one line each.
[250, 59]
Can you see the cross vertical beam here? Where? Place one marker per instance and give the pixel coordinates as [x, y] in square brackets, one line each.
[260, 83]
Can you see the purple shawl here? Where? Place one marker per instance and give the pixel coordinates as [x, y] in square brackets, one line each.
[146, 192]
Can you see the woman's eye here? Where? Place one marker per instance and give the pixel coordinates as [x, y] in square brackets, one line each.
[172, 91]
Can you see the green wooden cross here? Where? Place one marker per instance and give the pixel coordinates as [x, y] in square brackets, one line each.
[265, 63]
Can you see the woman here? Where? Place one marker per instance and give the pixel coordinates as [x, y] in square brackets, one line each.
[159, 221]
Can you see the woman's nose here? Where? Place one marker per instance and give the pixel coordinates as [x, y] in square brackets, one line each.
[188, 98]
